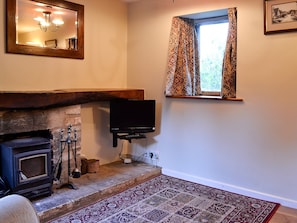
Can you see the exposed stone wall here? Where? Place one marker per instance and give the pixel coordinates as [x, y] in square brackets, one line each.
[54, 120]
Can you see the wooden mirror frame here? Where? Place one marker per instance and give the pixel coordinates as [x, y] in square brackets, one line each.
[13, 47]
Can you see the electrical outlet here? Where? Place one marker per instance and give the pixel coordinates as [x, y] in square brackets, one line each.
[152, 155]
[149, 155]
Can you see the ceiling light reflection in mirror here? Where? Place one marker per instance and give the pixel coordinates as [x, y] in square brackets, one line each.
[45, 25]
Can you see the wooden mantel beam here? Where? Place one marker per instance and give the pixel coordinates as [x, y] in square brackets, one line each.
[10, 100]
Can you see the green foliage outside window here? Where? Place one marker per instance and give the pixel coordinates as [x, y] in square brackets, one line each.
[212, 45]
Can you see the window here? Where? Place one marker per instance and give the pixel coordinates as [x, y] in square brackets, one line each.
[212, 38]
[202, 55]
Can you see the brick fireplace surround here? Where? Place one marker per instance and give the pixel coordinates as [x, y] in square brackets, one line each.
[25, 112]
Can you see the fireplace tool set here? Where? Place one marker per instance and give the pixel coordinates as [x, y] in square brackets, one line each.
[69, 141]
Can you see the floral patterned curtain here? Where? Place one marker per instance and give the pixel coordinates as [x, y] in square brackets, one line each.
[229, 63]
[183, 78]
[183, 63]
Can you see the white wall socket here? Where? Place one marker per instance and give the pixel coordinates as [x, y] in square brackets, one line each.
[152, 155]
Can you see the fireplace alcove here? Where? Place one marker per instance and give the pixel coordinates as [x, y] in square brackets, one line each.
[42, 111]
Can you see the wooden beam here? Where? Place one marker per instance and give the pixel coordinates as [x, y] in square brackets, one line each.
[47, 99]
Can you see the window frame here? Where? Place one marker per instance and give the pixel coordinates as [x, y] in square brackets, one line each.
[172, 90]
[209, 21]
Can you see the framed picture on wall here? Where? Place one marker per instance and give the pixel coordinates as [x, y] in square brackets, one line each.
[280, 16]
[52, 43]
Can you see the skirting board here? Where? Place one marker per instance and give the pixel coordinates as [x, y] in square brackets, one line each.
[231, 188]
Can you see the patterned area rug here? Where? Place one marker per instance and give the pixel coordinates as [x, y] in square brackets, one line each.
[167, 199]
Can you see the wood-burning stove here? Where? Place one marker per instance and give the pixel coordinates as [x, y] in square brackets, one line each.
[26, 166]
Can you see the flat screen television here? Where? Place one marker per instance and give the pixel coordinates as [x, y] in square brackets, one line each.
[132, 116]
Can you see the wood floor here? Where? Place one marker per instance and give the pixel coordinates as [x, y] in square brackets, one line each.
[285, 215]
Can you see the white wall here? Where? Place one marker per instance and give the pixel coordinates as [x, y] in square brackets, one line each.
[104, 66]
[248, 147]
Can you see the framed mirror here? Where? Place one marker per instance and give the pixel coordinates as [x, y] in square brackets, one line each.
[53, 28]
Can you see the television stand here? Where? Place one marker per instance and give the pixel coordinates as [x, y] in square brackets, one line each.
[128, 137]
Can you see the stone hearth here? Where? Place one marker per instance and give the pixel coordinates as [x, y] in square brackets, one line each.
[110, 179]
